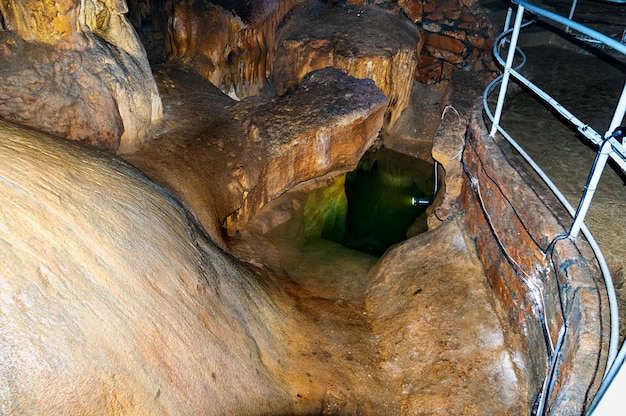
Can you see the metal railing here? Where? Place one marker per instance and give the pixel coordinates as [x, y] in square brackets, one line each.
[609, 146]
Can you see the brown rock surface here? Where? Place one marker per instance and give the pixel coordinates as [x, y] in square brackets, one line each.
[114, 302]
[457, 34]
[76, 70]
[541, 279]
[440, 338]
[256, 150]
[363, 41]
[231, 43]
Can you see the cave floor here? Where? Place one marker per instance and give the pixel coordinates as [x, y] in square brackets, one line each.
[445, 352]
[339, 365]
[342, 368]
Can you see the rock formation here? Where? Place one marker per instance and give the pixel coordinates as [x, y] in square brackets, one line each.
[230, 43]
[114, 301]
[119, 295]
[363, 41]
[414, 290]
[258, 149]
[76, 69]
[338, 119]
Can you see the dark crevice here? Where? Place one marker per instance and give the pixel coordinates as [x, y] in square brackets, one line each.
[387, 196]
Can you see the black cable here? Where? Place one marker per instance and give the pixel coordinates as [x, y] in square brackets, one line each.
[482, 168]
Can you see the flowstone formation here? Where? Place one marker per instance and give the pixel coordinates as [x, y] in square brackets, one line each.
[363, 41]
[256, 149]
[76, 69]
[114, 301]
[235, 50]
[166, 279]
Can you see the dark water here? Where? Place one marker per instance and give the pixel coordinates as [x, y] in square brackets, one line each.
[386, 194]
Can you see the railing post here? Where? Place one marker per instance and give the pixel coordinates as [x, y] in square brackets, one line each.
[571, 15]
[590, 189]
[618, 116]
[507, 69]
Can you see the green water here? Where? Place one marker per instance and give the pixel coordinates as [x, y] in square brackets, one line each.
[384, 195]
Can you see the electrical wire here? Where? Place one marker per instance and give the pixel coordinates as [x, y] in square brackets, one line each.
[614, 333]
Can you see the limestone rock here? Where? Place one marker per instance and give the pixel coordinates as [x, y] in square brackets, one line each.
[113, 301]
[363, 41]
[76, 69]
[257, 149]
[200, 145]
[440, 336]
[229, 43]
[322, 128]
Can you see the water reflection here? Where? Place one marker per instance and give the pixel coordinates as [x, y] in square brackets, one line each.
[386, 194]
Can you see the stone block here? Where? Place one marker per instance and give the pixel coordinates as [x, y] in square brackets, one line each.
[445, 43]
[413, 9]
[429, 69]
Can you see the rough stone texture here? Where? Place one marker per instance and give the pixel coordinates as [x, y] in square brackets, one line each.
[338, 119]
[77, 70]
[153, 343]
[258, 149]
[114, 302]
[230, 43]
[363, 41]
[440, 339]
[447, 150]
[517, 229]
[458, 33]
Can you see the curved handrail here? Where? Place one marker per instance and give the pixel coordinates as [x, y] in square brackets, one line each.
[609, 146]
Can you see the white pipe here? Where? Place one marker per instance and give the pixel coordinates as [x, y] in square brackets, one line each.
[507, 21]
[571, 14]
[618, 115]
[606, 40]
[507, 69]
[594, 177]
[606, 383]
[606, 274]
[610, 147]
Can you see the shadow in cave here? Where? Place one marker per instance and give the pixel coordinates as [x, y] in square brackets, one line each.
[387, 196]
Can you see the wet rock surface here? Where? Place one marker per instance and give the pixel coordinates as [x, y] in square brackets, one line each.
[140, 310]
[257, 149]
[235, 52]
[114, 301]
[453, 342]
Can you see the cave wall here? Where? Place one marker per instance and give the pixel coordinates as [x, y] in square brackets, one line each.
[111, 99]
[458, 34]
[233, 43]
[76, 69]
[230, 44]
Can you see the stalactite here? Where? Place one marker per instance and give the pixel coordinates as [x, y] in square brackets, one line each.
[236, 51]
